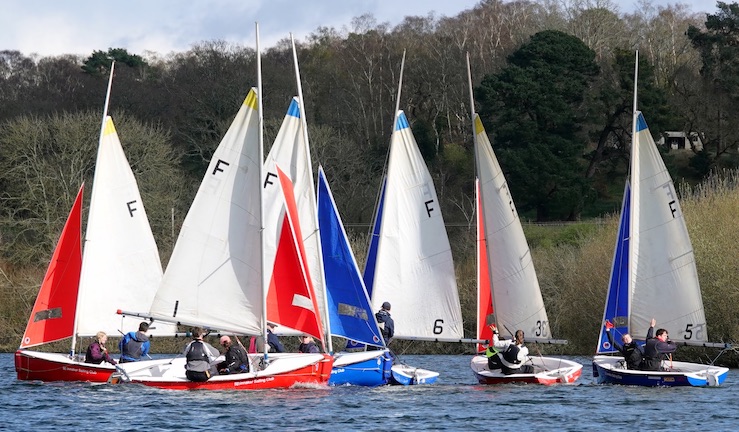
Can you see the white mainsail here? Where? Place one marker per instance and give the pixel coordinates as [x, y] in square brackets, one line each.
[291, 153]
[664, 278]
[121, 268]
[414, 268]
[214, 276]
[515, 288]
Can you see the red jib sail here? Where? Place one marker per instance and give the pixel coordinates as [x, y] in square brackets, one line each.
[52, 317]
[291, 301]
[484, 297]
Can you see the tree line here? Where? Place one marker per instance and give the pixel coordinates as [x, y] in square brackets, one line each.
[553, 83]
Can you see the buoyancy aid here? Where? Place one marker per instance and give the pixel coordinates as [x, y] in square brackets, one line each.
[633, 356]
[197, 352]
[511, 354]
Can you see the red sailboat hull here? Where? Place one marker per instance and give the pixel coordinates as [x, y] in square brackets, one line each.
[548, 371]
[36, 366]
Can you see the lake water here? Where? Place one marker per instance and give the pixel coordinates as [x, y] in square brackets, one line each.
[454, 403]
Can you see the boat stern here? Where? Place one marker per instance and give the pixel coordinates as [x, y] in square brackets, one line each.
[40, 366]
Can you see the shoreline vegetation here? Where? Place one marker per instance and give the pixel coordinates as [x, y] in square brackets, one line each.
[573, 263]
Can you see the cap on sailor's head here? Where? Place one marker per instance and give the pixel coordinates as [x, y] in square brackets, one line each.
[386, 305]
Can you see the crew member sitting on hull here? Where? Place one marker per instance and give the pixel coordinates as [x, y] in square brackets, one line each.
[631, 351]
[657, 348]
[200, 357]
[509, 355]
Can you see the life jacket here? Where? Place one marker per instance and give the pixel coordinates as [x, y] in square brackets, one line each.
[633, 356]
[236, 355]
[130, 345]
[197, 352]
[88, 356]
[511, 354]
[382, 317]
[491, 351]
[310, 347]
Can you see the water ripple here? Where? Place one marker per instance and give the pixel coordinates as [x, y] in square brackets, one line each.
[456, 402]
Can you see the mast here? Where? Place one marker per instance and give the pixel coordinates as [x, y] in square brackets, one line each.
[260, 116]
[478, 202]
[633, 176]
[107, 97]
[387, 160]
[304, 123]
[397, 99]
[479, 187]
[472, 97]
[100, 139]
[384, 173]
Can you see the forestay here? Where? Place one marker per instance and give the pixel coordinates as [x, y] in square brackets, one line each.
[485, 311]
[617, 299]
[52, 316]
[291, 299]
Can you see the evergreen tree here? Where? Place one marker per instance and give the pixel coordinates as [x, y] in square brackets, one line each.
[99, 62]
[535, 107]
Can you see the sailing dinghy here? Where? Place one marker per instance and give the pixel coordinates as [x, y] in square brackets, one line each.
[215, 276]
[413, 268]
[291, 151]
[508, 289]
[653, 274]
[409, 263]
[81, 295]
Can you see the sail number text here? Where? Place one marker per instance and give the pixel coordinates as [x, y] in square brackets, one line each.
[438, 328]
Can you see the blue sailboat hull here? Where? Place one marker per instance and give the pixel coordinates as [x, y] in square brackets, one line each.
[409, 375]
[356, 369]
[608, 370]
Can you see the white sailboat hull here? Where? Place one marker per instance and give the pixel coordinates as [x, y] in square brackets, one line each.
[547, 371]
[403, 374]
[283, 371]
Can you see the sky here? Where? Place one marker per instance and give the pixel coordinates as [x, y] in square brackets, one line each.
[55, 27]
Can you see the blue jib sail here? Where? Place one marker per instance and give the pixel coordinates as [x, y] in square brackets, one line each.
[617, 302]
[349, 309]
[369, 267]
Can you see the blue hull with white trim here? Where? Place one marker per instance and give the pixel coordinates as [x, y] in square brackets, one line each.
[366, 368]
[409, 375]
[611, 370]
